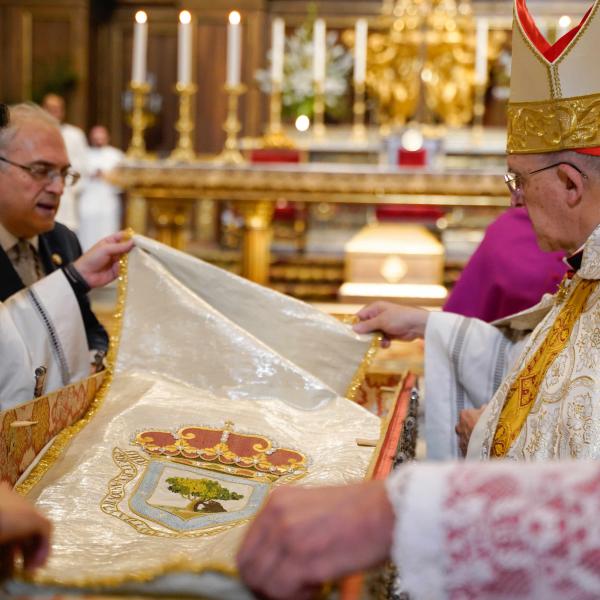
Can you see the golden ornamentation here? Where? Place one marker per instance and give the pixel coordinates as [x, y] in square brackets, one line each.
[139, 121]
[525, 388]
[359, 131]
[362, 369]
[275, 136]
[62, 440]
[128, 463]
[427, 57]
[319, 110]
[231, 154]
[553, 125]
[184, 152]
[255, 453]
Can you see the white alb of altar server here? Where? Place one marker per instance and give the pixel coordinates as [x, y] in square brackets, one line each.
[99, 202]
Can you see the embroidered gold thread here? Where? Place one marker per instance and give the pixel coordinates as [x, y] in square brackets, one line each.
[552, 125]
[361, 371]
[141, 576]
[64, 437]
[525, 388]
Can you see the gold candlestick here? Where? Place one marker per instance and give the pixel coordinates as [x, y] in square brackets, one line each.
[184, 152]
[319, 110]
[139, 121]
[231, 154]
[275, 137]
[478, 108]
[359, 131]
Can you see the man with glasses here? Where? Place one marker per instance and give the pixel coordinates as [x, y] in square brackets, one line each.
[34, 171]
[545, 404]
[505, 529]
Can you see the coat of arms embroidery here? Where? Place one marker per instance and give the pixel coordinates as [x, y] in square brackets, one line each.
[197, 480]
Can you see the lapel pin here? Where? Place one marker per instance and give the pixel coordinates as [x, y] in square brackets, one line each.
[57, 259]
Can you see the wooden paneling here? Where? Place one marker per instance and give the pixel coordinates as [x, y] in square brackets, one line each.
[47, 42]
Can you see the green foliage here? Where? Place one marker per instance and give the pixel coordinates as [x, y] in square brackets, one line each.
[59, 77]
[203, 490]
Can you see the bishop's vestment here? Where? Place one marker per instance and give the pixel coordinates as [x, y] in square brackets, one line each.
[469, 362]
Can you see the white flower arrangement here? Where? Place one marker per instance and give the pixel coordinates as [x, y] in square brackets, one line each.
[298, 84]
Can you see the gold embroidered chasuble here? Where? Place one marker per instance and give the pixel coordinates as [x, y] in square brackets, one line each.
[561, 417]
[208, 409]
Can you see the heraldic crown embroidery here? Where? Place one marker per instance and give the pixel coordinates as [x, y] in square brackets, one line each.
[211, 448]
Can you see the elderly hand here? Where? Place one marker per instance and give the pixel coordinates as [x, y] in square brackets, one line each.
[100, 264]
[23, 531]
[467, 420]
[304, 537]
[394, 320]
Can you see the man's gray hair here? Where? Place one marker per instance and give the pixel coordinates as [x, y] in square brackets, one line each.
[19, 115]
[589, 163]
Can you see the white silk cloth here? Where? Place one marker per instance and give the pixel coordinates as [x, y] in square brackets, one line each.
[468, 357]
[198, 347]
[41, 326]
[499, 530]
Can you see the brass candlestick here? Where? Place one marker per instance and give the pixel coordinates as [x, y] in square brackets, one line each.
[231, 154]
[139, 120]
[479, 108]
[359, 131]
[184, 152]
[319, 110]
[275, 137]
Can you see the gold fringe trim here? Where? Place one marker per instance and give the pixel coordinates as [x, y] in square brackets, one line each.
[361, 371]
[142, 576]
[66, 435]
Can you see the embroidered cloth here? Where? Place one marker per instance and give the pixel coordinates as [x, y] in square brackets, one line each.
[221, 390]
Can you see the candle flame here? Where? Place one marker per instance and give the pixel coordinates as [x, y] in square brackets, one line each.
[185, 17]
[141, 16]
[235, 17]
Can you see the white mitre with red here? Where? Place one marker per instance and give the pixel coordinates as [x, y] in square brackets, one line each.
[555, 88]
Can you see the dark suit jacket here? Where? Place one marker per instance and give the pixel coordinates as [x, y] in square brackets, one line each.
[62, 242]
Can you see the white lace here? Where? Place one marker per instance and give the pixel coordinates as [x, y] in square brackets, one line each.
[504, 530]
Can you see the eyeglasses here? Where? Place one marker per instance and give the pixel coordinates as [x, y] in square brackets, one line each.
[515, 184]
[46, 173]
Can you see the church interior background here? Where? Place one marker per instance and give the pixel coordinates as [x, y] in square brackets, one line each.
[339, 151]
[336, 151]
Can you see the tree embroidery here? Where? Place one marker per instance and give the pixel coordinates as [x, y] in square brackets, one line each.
[202, 493]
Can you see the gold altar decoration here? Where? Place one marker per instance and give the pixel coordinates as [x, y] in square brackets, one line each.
[427, 57]
[139, 121]
[359, 131]
[184, 152]
[231, 154]
[275, 137]
[319, 110]
[168, 188]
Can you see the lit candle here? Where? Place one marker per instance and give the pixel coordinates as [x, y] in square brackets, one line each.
[360, 50]
[481, 51]
[184, 48]
[319, 51]
[234, 49]
[277, 50]
[140, 43]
